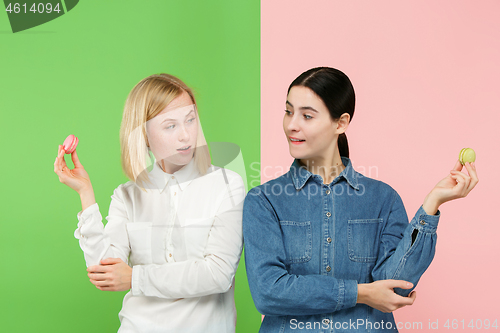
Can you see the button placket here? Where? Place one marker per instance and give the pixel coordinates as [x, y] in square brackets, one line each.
[171, 221]
[328, 230]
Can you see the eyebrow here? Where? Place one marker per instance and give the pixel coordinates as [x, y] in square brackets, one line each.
[303, 108]
[170, 119]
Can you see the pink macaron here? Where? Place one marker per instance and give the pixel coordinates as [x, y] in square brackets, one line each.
[70, 144]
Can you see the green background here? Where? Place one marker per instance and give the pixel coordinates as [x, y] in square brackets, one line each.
[72, 76]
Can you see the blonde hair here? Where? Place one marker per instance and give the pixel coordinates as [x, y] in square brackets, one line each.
[146, 100]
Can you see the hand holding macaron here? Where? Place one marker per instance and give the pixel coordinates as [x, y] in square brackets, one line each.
[456, 185]
[76, 178]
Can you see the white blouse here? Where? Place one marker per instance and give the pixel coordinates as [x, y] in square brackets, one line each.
[183, 239]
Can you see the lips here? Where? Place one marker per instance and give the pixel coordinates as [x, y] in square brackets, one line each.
[184, 150]
[296, 141]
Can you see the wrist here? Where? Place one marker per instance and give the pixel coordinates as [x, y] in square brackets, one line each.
[431, 204]
[85, 190]
[87, 197]
[362, 293]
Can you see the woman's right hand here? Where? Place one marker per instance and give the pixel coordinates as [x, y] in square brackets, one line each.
[381, 296]
[77, 178]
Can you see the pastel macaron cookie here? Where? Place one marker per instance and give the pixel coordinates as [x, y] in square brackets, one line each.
[70, 144]
[467, 155]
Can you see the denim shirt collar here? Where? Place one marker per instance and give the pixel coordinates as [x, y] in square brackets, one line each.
[300, 175]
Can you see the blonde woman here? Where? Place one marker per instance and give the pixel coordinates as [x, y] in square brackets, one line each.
[174, 234]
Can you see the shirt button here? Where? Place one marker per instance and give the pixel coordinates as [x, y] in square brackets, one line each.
[326, 321]
[328, 268]
[170, 254]
[329, 239]
[327, 191]
[328, 214]
[422, 222]
[173, 177]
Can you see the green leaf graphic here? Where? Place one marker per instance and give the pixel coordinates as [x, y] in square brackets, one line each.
[70, 4]
[28, 14]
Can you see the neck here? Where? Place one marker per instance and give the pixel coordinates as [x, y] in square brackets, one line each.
[168, 167]
[328, 168]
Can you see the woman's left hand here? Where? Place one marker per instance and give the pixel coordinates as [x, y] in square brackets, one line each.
[111, 275]
[456, 185]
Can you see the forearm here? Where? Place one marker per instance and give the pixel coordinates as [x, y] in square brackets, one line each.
[90, 234]
[412, 255]
[96, 241]
[279, 293]
[185, 279]
[87, 197]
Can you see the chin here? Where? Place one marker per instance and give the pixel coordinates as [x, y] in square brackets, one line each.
[295, 154]
[185, 160]
[180, 160]
[299, 156]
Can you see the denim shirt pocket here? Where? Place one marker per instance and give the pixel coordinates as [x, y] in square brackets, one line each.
[363, 240]
[297, 239]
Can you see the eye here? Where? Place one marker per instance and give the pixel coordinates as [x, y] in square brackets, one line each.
[288, 112]
[307, 116]
[191, 120]
[170, 127]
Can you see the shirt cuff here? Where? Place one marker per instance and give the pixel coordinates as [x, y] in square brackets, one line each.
[425, 222]
[137, 272]
[348, 294]
[83, 217]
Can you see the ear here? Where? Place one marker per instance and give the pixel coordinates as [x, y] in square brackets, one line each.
[343, 123]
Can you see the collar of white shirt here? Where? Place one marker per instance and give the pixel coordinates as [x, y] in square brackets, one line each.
[183, 177]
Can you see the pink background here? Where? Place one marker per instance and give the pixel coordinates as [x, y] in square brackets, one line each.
[426, 75]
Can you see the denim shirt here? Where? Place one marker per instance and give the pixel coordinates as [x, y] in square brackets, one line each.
[308, 245]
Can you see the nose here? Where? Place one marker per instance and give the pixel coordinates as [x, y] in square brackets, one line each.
[183, 134]
[291, 124]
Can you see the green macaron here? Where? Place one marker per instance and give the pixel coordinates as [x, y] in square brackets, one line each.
[467, 155]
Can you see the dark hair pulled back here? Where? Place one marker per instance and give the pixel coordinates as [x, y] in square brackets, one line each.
[335, 90]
